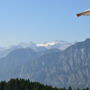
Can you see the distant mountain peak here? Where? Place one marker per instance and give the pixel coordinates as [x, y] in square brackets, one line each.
[59, 44]
[29, 44]
[55, 44]
[46, 44]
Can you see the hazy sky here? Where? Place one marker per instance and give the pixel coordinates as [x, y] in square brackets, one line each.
[43, 20]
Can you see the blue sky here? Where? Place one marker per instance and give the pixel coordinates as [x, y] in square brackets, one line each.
[43, 20]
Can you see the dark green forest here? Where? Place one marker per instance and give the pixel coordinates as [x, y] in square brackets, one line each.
[21, 84]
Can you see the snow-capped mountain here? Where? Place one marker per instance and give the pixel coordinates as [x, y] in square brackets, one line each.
[61, 45]
[55, 44]
[49, 45]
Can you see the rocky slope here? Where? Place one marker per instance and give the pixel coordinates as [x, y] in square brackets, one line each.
[70, 67]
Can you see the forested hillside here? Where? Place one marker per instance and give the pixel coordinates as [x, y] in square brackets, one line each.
[21, 84]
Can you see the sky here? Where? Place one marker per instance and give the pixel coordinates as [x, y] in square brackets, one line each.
[42, 21]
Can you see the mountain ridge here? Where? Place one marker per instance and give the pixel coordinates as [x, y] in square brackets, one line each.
[70, 67]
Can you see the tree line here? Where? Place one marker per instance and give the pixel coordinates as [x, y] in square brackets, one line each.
[22, 84]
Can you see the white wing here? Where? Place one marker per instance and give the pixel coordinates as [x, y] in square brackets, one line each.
[87, 12]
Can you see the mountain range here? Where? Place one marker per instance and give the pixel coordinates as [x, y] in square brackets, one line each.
[59, 44]
[49, 64]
